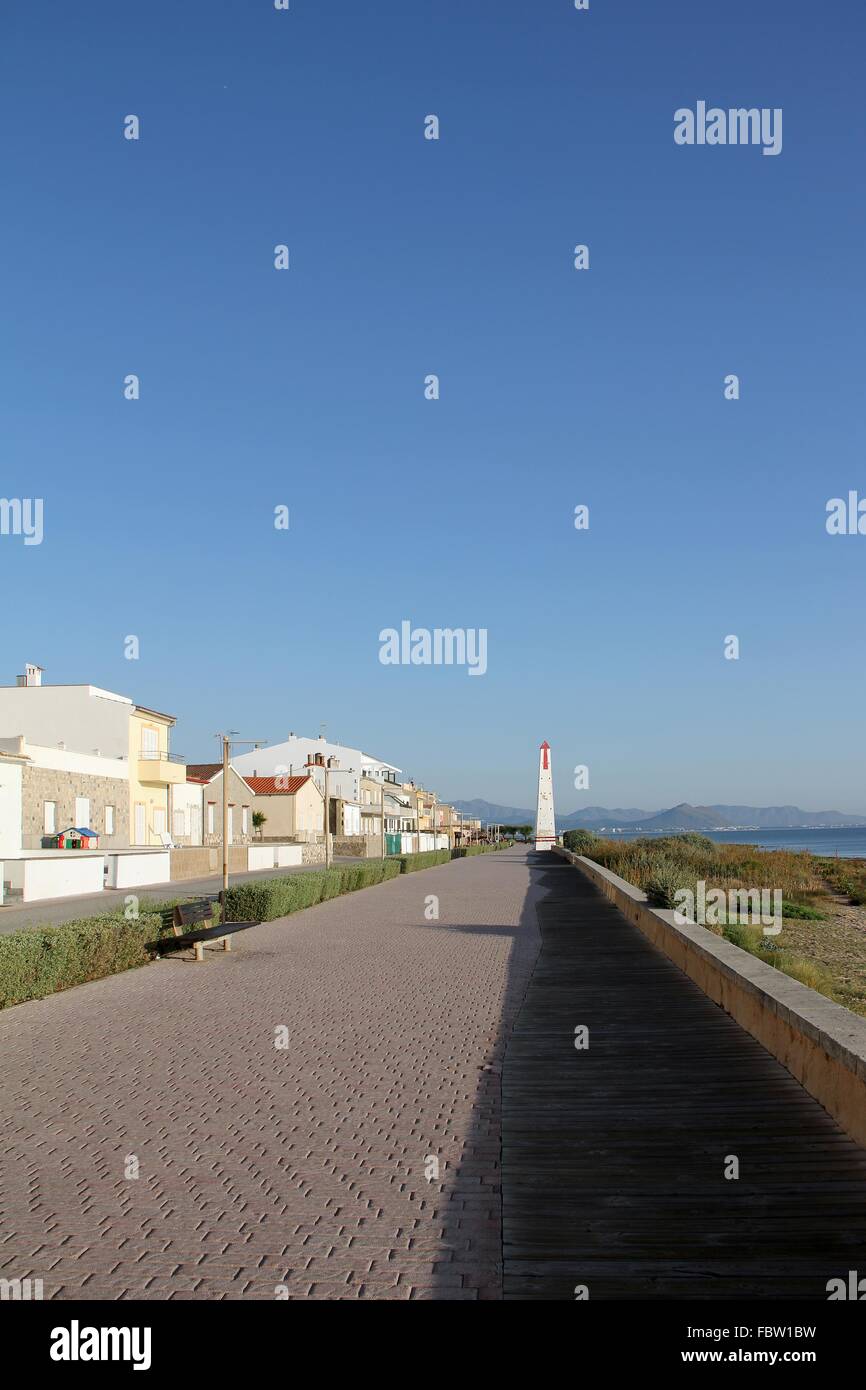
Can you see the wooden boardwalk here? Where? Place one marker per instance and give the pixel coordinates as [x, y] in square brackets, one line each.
[613, 1158]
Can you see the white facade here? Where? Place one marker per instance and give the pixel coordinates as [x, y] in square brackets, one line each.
[187, 801]
[545, 821]
[81, 718]
[10, 806]
[292, 756]
[62, 760]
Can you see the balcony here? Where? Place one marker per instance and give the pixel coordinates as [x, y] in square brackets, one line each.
[159, 767]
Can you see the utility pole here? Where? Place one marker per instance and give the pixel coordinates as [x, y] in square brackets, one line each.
[226, 758]
[327, 821]
[383, 813]
[227, 752]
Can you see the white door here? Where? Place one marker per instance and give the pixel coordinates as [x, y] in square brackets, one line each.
[140, 827]
[231, 838]
[82, 812]
[195, 825]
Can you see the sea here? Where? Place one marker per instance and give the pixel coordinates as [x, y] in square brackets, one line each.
[849, 842]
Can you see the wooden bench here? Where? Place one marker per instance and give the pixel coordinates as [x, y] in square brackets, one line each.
[188, 915]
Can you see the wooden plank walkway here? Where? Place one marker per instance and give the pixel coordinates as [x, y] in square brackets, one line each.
[613, 1158]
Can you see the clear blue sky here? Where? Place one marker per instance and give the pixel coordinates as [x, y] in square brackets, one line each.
[411, 257]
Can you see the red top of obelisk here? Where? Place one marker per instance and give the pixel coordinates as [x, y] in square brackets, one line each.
[546, 749]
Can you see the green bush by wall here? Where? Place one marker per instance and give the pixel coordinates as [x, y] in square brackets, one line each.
[425, 860]
[40, 961]
[469, 851]
[278, 897]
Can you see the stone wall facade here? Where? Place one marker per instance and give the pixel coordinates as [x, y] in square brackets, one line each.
[41, 784]
[313, 854]
[358, 846]
[197, 861]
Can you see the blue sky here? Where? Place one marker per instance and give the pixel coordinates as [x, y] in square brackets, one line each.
[410, 257]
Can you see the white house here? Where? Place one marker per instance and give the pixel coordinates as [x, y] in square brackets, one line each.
[94, 760]
[309, 757]
[187, 812]
[11, 765]
[60, 788]
[80, 717]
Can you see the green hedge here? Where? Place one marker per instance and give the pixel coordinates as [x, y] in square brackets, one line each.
[425, 860]
[40, 961]
[278, 897]
[469, 851]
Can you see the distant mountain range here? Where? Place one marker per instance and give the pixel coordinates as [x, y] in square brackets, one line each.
[682, 817]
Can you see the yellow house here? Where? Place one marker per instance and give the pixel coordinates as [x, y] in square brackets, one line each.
[153, 771]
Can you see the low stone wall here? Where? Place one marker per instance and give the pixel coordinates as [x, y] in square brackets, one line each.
[819, 1042]
[358, 846]
[197, 861]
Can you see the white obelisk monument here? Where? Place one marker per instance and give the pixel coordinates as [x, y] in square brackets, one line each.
[545, 823]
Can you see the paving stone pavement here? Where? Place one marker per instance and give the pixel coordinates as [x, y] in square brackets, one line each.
[269, 1172]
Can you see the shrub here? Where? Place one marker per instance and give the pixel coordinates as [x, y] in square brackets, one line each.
[580, 841]
[693, 837]
[40, 961]
[747, 938]
[425, 860]
[801, 911]
[270, 898]
[469, 851]
[665, 881]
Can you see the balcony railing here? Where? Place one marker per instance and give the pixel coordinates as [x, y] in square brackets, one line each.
[159, 755]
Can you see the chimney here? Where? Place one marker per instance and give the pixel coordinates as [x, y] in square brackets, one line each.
[32, 675]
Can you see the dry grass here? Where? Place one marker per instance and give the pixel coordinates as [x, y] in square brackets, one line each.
[828, 954]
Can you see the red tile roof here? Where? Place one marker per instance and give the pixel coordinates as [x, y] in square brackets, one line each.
[202, 772]
[268, 786]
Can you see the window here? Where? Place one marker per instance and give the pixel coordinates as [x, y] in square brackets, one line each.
[178, 824]
[149, 742]
[245, 820]
[231, 824]
[82, 812]
[49, 817]
[109, 820]
[211, 807]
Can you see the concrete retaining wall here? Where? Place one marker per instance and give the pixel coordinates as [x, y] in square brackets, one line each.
[55, 875]
[819, 1042]
[131, 870]
[288, 855]
[273, 856]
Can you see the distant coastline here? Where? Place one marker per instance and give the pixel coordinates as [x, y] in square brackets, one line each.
[846, 841]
